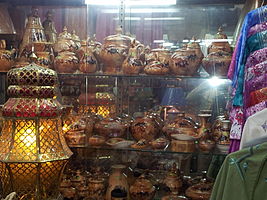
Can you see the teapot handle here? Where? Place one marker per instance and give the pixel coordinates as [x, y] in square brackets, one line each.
[2, 44]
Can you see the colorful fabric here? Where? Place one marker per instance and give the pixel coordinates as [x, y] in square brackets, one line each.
[237, 119]
[257, 28]
[254, 43]
[258, 96]
[256, 108]
[254, 17]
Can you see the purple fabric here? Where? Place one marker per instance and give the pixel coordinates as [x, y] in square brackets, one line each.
[256, 108]
[234, 146]
[257, 28]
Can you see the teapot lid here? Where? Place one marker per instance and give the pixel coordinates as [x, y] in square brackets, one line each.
[75, 37]
[193, 44]
[64, 35]
[220, 34]
[118, 36]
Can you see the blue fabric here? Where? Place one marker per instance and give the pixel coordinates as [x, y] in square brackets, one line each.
[254, 17]
[247, 46]
[253, 43]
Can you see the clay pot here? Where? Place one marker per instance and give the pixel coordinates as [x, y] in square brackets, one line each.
[200, 191]
[217, 63]
[114, 51]
[180, 125]
[206, 142]
[64, 42]
[66, 62]
[75, 138]
[6, 58]
[173, 180]
[96, 140]
[133, 64]
[142, 189]
[185, 62]
[96, 188]
[144, 128]
[117, 179]
[44, 59]
[111, 128]
[220, 45]
[219, 56]
[158, 62]
[87, 60]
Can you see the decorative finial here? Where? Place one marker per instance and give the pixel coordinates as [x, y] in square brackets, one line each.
[118, 30]
[65, 29]
[33, 57]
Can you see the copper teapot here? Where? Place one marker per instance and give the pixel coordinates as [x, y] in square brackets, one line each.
[114, 51]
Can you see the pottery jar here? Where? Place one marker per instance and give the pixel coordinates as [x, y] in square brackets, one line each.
[200, 191]
[117, 179]
[220, 43]
[111, 127]
[196, 47]
[6, 57]
[217, 127]
[173, 180]
[206, 141]
[217, 63]
[180, 125]
[185, 62]
[66, 62]
[219, 56]
[87, 60]
[95, 47]
[142, 189]
[114, 51]
[144, 128]
[158, 62]
[133, 64]
[64, 42]
[96, 188]
[75, 138]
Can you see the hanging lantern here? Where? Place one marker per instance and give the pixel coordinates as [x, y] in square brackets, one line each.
[33, 150]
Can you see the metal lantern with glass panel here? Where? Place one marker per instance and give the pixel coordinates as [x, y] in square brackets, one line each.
[33, 151]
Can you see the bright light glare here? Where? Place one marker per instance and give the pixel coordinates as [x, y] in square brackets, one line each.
[163, 18]
[144, 10]
[215, 81]
[132, 2]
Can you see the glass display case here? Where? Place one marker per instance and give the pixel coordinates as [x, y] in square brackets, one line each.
[144, 90]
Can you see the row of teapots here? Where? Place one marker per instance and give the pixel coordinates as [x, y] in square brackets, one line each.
[121, 54]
